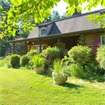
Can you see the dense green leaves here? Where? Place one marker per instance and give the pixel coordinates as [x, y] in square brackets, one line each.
[1, 8]
[38, 10]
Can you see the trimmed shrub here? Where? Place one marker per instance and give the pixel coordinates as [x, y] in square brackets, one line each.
[24, 60]
[14, 60]
[32, 53]
[77, 70]
[53, 53]
[80, 54]
[100, 57]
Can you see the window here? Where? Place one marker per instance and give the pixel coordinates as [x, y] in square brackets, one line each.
[43, 46]
[60, 45]
[43, 31]
[103, 40]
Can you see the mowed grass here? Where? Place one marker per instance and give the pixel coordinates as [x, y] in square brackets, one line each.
[25, 87]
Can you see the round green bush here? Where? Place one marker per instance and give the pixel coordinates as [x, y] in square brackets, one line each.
[14, 60]
[32, 53]
[24, 60]
[80, 54]
[100, 57]
[53, 53]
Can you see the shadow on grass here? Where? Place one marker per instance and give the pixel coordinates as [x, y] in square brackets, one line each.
[47, 73]
[71, 85]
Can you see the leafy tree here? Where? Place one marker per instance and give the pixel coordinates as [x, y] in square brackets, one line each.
[38, 10]
[55, 15]
[64, 16]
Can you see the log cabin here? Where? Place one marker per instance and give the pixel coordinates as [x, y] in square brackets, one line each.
[65, 33]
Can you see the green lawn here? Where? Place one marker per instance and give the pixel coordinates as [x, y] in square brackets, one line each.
[25, 87]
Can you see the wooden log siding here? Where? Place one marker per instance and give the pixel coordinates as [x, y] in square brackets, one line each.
[87, 40]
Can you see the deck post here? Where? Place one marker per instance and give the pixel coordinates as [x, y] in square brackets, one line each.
[40, 45]
[26, 46]
[13, 48]
[58, 42]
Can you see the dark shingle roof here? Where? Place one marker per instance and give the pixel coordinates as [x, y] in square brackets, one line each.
[34, 33]
[68, 25]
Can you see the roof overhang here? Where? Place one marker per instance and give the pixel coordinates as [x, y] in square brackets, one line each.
[77, 33]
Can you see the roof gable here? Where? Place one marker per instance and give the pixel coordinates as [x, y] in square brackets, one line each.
[69, 25]
[73, 24]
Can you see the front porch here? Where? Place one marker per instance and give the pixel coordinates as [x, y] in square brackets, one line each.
[65, 43]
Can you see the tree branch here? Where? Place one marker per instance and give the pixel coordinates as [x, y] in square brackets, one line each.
[32, 6]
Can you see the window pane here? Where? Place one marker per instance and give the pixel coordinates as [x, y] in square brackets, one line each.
[43, 31]
[35, 47]
[38, 48]
[103, 39]
[44, 47]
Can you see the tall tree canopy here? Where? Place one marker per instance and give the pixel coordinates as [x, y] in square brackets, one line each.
[38, 10]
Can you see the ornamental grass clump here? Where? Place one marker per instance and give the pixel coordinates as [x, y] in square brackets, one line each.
[60, 72]
[14, 60]
[100, 57]
[80, 54]
[38, 61]
[61, 68]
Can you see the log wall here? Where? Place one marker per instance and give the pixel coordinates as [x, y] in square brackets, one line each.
[88, 40]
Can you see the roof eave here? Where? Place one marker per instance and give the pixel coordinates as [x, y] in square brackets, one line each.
[60, 35]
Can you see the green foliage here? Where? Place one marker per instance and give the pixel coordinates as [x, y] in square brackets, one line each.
[24, 60]
[3, 47]
[14, 60]
[5, 62]
[47, 64]
[37, 60]
[53, 53]
[98, 19]
[77, 70]
[2, 62]
[32, 53]
[101, 56]
[55, 15]
[38, 10]
[94, 70]
[90, 72]
[61, 68]
[80, 54]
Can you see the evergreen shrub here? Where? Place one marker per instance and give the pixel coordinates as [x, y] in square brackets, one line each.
[24, 60]
[14, 60]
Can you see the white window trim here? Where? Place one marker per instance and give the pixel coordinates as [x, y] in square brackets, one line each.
[101, 39]
[41, 46]
[40, 31]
